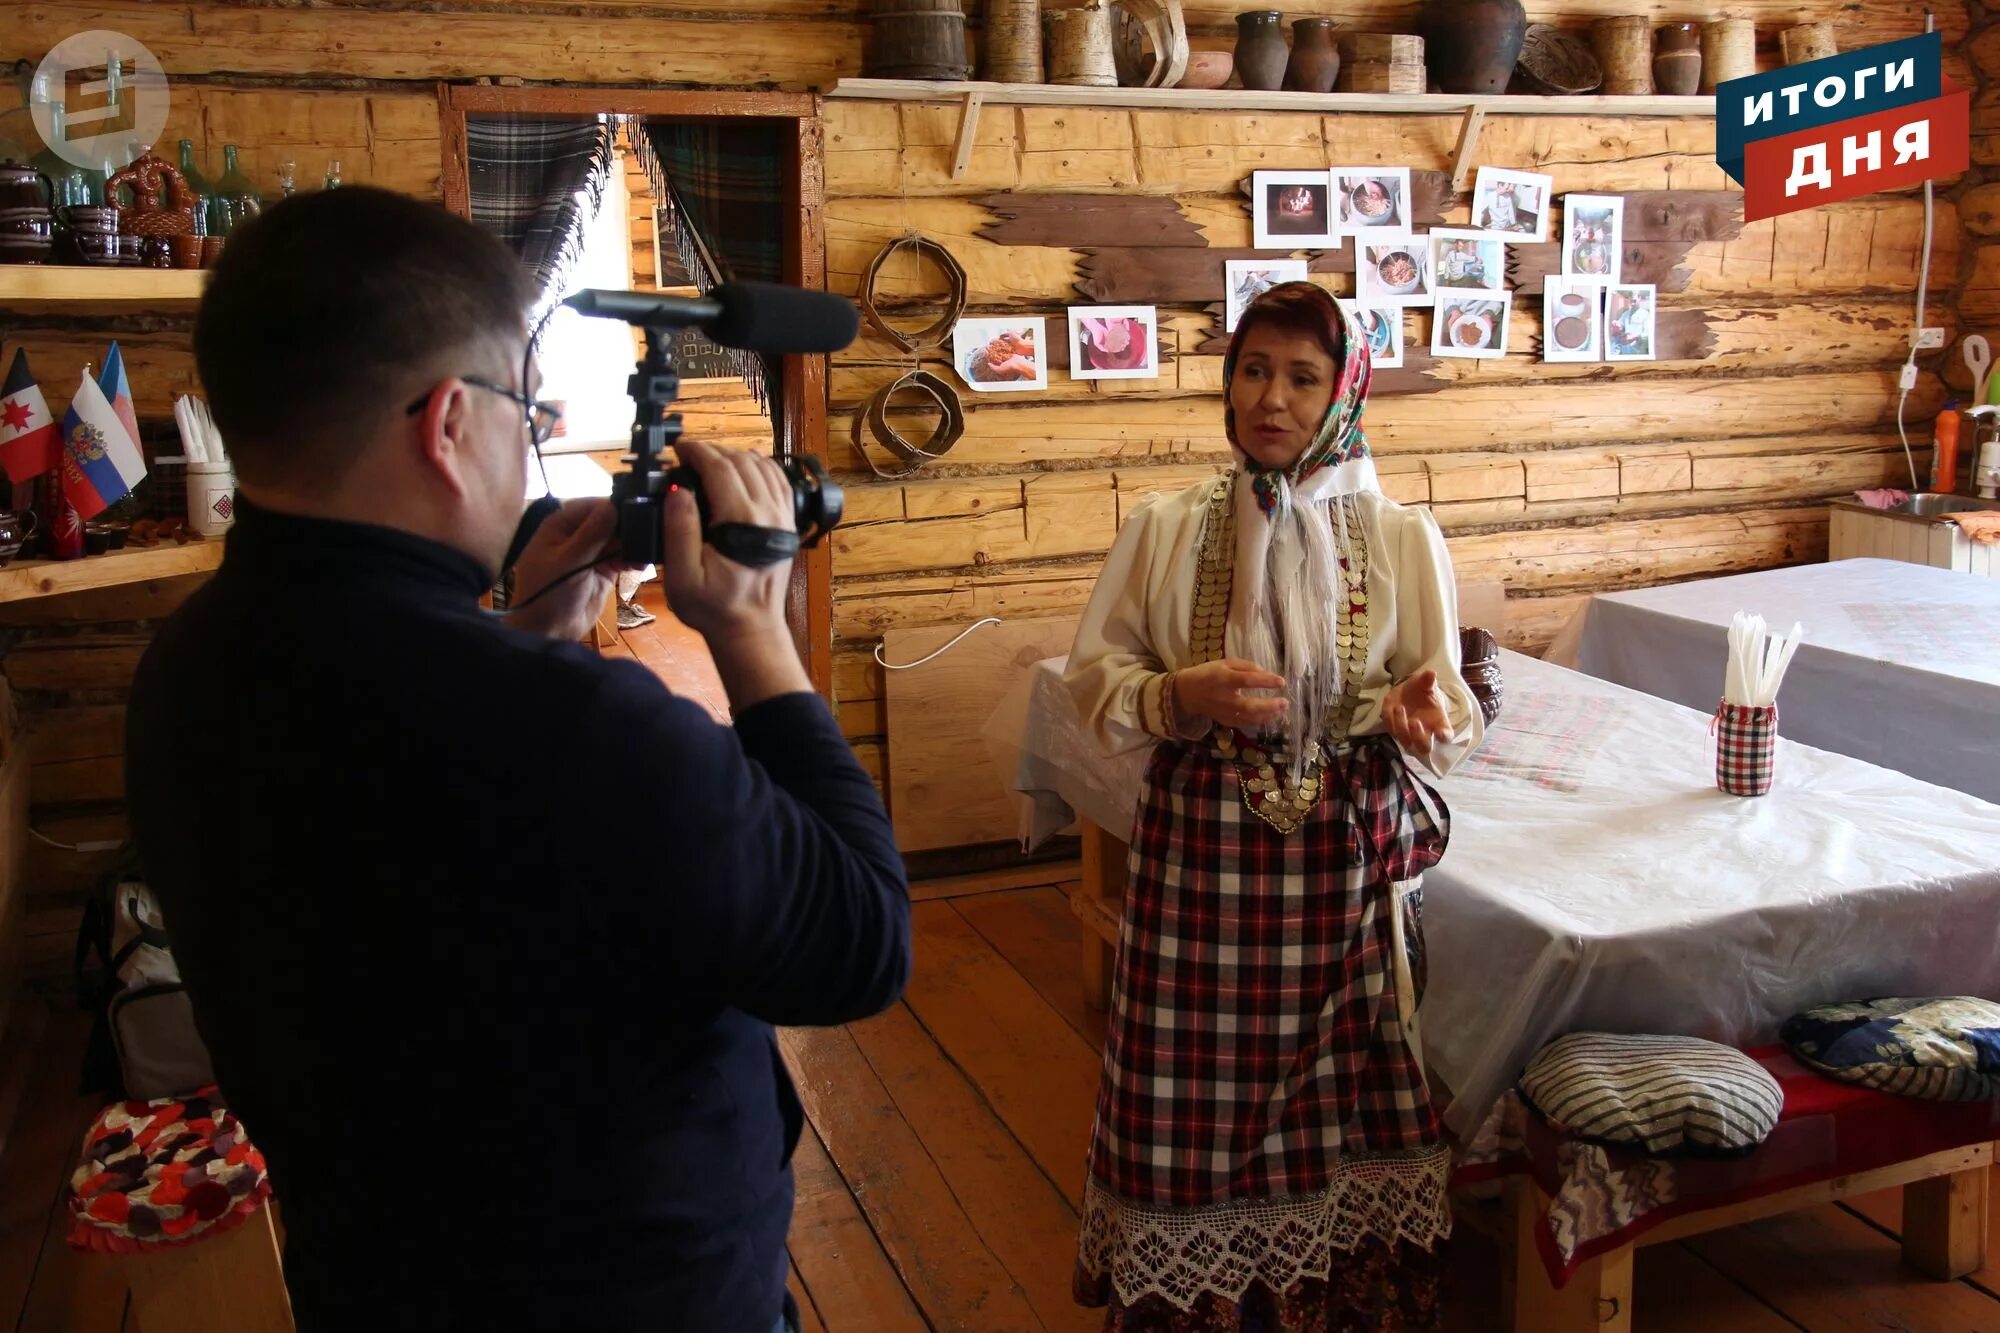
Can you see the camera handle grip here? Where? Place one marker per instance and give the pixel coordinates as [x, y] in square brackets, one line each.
[753, 546]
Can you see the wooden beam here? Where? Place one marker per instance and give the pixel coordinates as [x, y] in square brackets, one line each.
[1468, 141]
[968, 134]
[1386, 104]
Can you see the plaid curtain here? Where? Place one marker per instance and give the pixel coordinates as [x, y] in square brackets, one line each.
[720, 188]
[535, 184]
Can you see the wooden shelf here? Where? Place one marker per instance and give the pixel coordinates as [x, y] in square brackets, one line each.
[30, 579]
[1473, 110]
[61, 282]
[1180, 99]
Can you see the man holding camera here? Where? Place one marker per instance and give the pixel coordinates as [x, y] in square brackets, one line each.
[510, 1059]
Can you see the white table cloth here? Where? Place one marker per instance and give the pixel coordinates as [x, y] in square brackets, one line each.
[1597, 879]
[1900, 664]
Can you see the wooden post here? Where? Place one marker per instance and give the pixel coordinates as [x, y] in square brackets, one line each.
[1104, 884]
[968, 134]
[1598, 1295]
[1944, 1224]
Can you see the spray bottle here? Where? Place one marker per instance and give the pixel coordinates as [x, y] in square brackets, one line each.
[1944, 451]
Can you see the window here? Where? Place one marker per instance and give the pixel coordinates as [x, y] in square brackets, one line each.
[585, 362]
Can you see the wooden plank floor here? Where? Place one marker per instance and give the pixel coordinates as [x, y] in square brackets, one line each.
[939, 1175]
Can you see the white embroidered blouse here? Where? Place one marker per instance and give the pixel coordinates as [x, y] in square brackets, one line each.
[1136, 628]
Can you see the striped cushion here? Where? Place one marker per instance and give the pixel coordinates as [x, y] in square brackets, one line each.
[1665, 1096]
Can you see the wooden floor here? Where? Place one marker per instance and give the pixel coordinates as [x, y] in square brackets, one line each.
[938, 1178]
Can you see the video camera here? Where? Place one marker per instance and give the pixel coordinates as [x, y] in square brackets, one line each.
[753, 316]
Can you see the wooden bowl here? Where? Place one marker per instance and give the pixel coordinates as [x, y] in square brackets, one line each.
[1556, 63]
[1207, 70]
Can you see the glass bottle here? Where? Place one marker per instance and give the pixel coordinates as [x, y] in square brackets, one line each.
[56, 167]
[203, 189]
[333, 174]
[236, 192]
[287, 179]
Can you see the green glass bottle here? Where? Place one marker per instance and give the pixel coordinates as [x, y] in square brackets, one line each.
[57, 168]
[203, 188]
[239, 196]
[333, 174]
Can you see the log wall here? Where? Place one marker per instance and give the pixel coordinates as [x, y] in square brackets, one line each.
[1556, 479]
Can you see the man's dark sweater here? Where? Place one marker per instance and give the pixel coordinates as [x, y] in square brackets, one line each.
[487, 933]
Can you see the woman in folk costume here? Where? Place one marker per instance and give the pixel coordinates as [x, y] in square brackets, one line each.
[1265, 1155]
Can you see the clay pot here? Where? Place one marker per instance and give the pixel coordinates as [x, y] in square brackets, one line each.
[1261, 54]
[25, 187]
[1208, 70]
[1473, 45]
[186, 250]
[1677, 73]
[211, 250]
[1315, 62]
[1677, 37]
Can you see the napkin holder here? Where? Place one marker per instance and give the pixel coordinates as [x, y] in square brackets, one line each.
[1746, 747]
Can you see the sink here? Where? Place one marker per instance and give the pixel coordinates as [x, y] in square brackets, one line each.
[1929, 505]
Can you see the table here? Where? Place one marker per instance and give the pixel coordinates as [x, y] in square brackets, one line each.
[1597, 879]
[1900, 665]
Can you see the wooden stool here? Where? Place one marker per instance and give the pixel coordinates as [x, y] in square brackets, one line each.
[173, 1193]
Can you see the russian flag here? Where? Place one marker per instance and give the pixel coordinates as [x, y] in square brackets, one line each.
[28, 432]
[117, 386]
[101, 463]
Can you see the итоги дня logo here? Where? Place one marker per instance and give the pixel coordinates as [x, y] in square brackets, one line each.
[1880, 118]
[99, 99]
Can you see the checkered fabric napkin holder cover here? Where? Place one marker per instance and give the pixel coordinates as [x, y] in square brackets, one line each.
[1746, 747]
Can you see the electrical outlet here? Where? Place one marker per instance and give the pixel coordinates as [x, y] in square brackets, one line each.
[1908, 379]
[1929, 340]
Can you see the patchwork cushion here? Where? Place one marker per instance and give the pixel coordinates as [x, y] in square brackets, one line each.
[163, 1172]
[1941, 1050]
[1665, 1096]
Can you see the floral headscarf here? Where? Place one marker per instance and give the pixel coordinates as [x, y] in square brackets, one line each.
[1340, 436]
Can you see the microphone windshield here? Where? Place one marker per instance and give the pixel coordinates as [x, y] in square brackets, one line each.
[768, 317]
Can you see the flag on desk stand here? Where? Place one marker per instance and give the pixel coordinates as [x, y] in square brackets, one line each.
[28, 434]
[101, 461]
[117, 386]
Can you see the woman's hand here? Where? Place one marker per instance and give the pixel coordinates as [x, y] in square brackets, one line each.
[1414, 713]
[1220, 691]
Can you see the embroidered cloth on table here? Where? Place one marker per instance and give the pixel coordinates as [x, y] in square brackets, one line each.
[1603, 1198]
[1181, 1253]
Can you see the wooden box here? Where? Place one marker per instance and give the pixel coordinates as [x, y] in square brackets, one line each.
[1381, 48]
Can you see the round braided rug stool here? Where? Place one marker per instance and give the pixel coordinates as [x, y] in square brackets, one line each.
[173, 1191]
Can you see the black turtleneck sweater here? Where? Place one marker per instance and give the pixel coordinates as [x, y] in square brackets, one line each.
[487, 935]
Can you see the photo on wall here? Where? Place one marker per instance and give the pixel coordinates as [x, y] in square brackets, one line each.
[1393, 271]
[1468, 261]
[1471, 325]
[1383, 326]
[1631, 323]
[1572, 320]
[1000, 355]
[1513, 205]
[1593, 236]
[1293, 210]
[1250, 278]
[1114, 342]
[1371, 199]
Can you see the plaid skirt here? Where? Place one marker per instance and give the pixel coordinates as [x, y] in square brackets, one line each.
[1262, 1108]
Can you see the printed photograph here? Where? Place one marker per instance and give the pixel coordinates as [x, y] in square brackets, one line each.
[1572, 321]
[1593, 236]
[1293, 210]
[1384, 327]
[1631, 319]
[1512, 204]
[1371, 198]
[1471, 326]
[1249, 279]
[1114, 342]
[1468, 261]
[1393, 272]
[1000, 355]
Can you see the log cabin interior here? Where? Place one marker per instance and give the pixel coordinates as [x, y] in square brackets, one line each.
[1605, 507]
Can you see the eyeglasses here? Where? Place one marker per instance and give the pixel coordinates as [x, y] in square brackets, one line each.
[542, 417]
